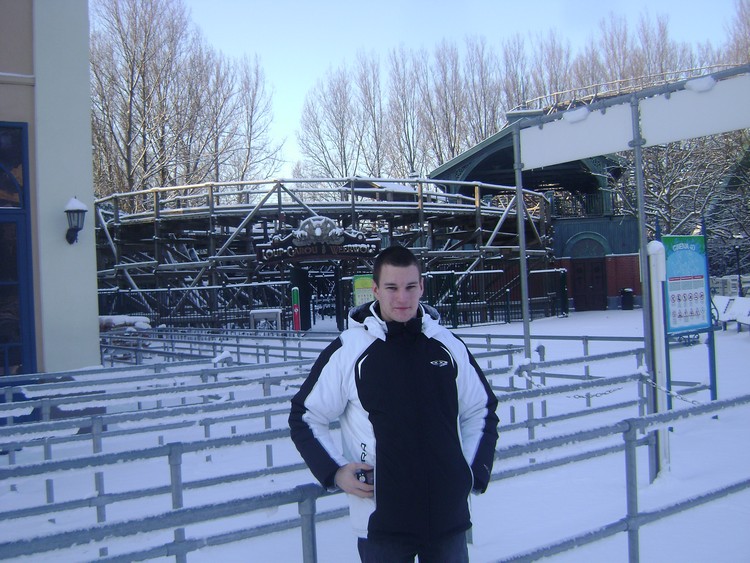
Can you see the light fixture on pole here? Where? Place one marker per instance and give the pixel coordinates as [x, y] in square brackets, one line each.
[701, 84]
[76, 213]
[576, 115]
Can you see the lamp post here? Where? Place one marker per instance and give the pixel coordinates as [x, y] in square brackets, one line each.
[739, 276]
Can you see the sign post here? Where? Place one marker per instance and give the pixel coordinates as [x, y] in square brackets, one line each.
[295, 309]
[688, 304]
[687, 297]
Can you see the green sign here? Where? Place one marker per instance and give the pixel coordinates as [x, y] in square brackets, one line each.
[362, 289]
[687, 299]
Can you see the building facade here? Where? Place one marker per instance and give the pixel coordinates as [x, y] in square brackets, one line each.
[48, 307]
[589, 237]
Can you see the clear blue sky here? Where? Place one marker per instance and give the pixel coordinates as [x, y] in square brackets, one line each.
[297, 41]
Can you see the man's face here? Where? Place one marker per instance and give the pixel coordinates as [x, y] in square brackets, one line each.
[398, 292]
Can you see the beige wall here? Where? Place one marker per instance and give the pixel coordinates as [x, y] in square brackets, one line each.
[16, 69]
[15, 37]
[44, 81]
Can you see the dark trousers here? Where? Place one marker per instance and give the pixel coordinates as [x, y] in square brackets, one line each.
[448, 550]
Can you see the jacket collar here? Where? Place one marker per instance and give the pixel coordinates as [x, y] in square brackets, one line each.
[367, 317]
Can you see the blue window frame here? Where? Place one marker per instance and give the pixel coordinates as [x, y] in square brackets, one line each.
[17, 341]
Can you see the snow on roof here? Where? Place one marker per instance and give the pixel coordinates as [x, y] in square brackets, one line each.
[75, 204]
[395, 186]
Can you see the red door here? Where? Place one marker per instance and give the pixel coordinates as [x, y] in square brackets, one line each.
[589, 284]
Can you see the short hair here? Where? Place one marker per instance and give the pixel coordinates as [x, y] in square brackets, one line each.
[395, 255]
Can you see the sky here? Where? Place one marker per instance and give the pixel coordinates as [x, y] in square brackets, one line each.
[515, 514]
[298, 41]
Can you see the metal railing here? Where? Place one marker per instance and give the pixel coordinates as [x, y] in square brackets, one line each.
[177, 345]
[541, 385]
[175, 519]
[224, 306]
[632, 431]
[463, 298]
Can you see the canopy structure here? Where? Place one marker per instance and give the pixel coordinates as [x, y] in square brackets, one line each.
[548, 149]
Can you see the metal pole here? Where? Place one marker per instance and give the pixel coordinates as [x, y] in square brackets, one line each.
[714, 391]
[637, 144]
[521, 227]
[711, 342]
[306, 509]
[739, 275]
[648, 342]
[101, 508]
[175, 471]
[667, 352]
[631, 484]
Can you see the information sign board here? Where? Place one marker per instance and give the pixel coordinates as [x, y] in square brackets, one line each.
[687, 293]
[362, 289]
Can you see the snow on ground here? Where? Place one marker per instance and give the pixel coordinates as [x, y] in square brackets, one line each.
[522, 513]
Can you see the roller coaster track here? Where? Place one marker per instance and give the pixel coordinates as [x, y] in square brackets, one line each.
[214, 232]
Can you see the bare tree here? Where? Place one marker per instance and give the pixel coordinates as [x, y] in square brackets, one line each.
[616, 47]
[406, 134]
[253, 153]
[589, 75]
[205, 120]
[136, 48]
[167, 109]
[657, 54]
[369, 99]
[329, 136]
[728, 214]
[516, 81]
[552, 66]
[482, 83]
[738, 44]
[443, 102]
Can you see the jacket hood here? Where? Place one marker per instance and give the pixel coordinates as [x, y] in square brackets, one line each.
[367, 317]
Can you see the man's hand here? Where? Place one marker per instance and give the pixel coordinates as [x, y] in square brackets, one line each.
[347, 481]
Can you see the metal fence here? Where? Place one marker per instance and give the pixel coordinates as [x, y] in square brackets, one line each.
[170, 399]
[632, 432]
[212, 306]
[481, 297]
[463, 298]
[136, 347]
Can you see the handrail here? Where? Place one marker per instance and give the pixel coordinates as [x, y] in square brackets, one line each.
[634, 519]
[307, 494]
[630, 429]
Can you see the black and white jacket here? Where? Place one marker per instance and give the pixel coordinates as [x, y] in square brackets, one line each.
[413, 403]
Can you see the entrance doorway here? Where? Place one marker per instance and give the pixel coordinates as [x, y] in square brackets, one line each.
[589, 275]
[589, 284]
[17, 349]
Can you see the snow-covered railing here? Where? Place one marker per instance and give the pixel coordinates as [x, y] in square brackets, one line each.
[162, 419]
[174, 386]
[732, 309]
[478, 341]
[102, 535]
[543, 385]
[177, 345]
[632, 431]
[175, 519]
[597, 387]
[107, 534]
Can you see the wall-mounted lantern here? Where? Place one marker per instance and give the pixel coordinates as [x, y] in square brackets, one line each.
[76, 212]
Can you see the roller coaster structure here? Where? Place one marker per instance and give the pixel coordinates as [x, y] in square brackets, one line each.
[249, 240]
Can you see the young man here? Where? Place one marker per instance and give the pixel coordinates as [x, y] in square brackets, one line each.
[414, 407]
